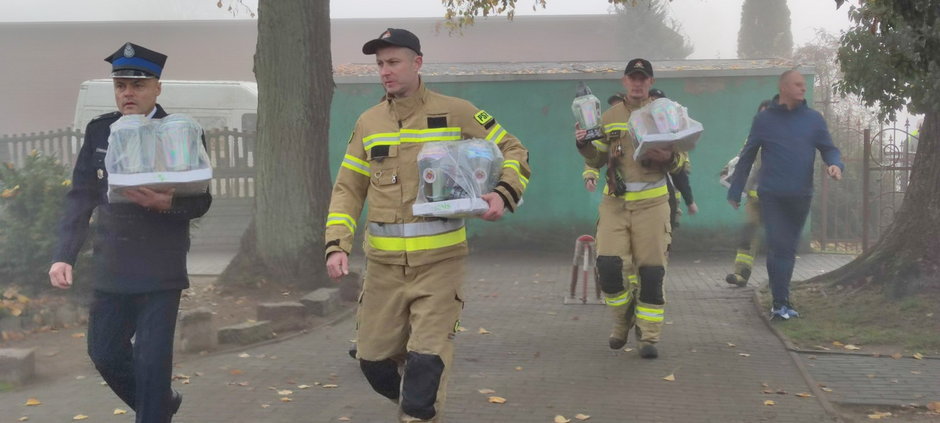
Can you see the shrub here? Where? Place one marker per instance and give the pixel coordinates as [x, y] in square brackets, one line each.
[31, 201]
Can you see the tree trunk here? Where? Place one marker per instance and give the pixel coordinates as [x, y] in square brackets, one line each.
[906, 259]
[295, 88]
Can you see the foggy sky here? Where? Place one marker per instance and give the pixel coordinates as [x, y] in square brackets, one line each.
[712, 25]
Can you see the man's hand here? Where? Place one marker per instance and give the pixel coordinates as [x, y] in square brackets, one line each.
[496, 206]
[693, 208]
[659, 155]
[151, 199]
[590, 184]
[734, 204]
[60, 275]
[337, 265]
[835, 172]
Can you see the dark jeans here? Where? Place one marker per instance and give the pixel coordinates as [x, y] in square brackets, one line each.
[784, 217]
[139, 372]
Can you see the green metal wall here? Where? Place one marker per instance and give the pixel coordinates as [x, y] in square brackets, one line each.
[539, 112]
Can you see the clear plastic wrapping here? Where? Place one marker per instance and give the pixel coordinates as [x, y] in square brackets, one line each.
[664, 124]
[454, 175]
[158, 154]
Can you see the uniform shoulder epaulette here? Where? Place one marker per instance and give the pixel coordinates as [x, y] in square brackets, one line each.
[114, 114]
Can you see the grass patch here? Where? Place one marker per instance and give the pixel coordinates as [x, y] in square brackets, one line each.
[861, 316]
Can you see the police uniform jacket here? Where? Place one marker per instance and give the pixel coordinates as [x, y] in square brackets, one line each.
[380, 169]
[135, 249]
[646, 182]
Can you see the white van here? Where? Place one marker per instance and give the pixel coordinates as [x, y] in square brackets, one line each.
[214, 104]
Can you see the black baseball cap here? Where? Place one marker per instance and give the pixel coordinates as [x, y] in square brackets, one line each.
[639, 65]
[134, 61]
[393, 37]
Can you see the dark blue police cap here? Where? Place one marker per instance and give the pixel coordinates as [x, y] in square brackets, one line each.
[134, 61]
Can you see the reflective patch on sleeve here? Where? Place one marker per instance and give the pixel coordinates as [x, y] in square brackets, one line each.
[484, 118]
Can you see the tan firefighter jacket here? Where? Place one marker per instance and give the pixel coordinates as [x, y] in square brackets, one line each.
[646, 183]
[380, 169]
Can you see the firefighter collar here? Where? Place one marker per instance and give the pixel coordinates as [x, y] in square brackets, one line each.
[404, 108]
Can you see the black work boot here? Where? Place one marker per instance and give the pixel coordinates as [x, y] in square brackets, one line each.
[648, 350]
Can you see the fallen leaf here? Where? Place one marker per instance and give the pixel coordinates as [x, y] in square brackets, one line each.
[897, 356]
[781, 392]
[918, 356]
[119, 411]
[670, 378]
[820, 347]
[870, 376]
[303, 386]
[580, 416]
[767, 391]
[879, 414]
[344, 419]
[330, 386]
[80, 417]
[769, 402]
[461, 329]
[78, 335]
[265, 405]
[497, 400]
[627, 349]
[286, 399]
[804, 395]
[837, 343]
[561, 419]
[22, 419]
[487, 391]
[826, 389]
[915, 372]
[518, 368]
[244, 355]
[851, 347]
[32, 401]
[285, 392]
[235, 372]
[934, 406]
[744, 354]
[730, 345]
[484, 331]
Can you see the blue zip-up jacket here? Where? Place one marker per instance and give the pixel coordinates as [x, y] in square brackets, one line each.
[787, 140]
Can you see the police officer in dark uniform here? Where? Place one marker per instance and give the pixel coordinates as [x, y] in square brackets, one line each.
[139, 252]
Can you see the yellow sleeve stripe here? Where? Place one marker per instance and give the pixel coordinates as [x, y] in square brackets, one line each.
[356, 165]
[341, 219]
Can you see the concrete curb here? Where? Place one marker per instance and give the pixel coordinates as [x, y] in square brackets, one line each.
[342, 315]
[791, 349]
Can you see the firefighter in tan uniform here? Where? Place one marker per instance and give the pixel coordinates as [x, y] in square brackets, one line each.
[749, 241]
[411, 299]
[633, 218]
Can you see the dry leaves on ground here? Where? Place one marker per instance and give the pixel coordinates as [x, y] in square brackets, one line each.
[486, 391]
[582, 417]
[918, 356]
[897, 356]
[119, 411]
[804, 395]
[561, 419]
[484, 331]
[80, 417]
[851, 347]
[670, 378]
[33, 402]
[934, 406]
[769, 403]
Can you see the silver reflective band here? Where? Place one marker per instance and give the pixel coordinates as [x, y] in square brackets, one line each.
[643, 186]
[408, 230]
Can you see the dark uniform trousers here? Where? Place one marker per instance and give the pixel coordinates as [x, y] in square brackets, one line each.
[138, 371]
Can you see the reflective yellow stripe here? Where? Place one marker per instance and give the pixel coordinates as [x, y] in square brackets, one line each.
[420, 243]
[619, 300]
[616, 126]
[649, 314]
[600, 146]
[633, 279]
[411, 135]
[589, 173]
[496, 134]
[643, 195]
[752, 193]
[744, 258]
[355, 164]
[514, 165]
[341, 219]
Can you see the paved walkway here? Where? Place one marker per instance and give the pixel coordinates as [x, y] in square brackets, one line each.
[543, 357]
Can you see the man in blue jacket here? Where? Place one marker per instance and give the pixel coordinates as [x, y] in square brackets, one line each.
[787, 134]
